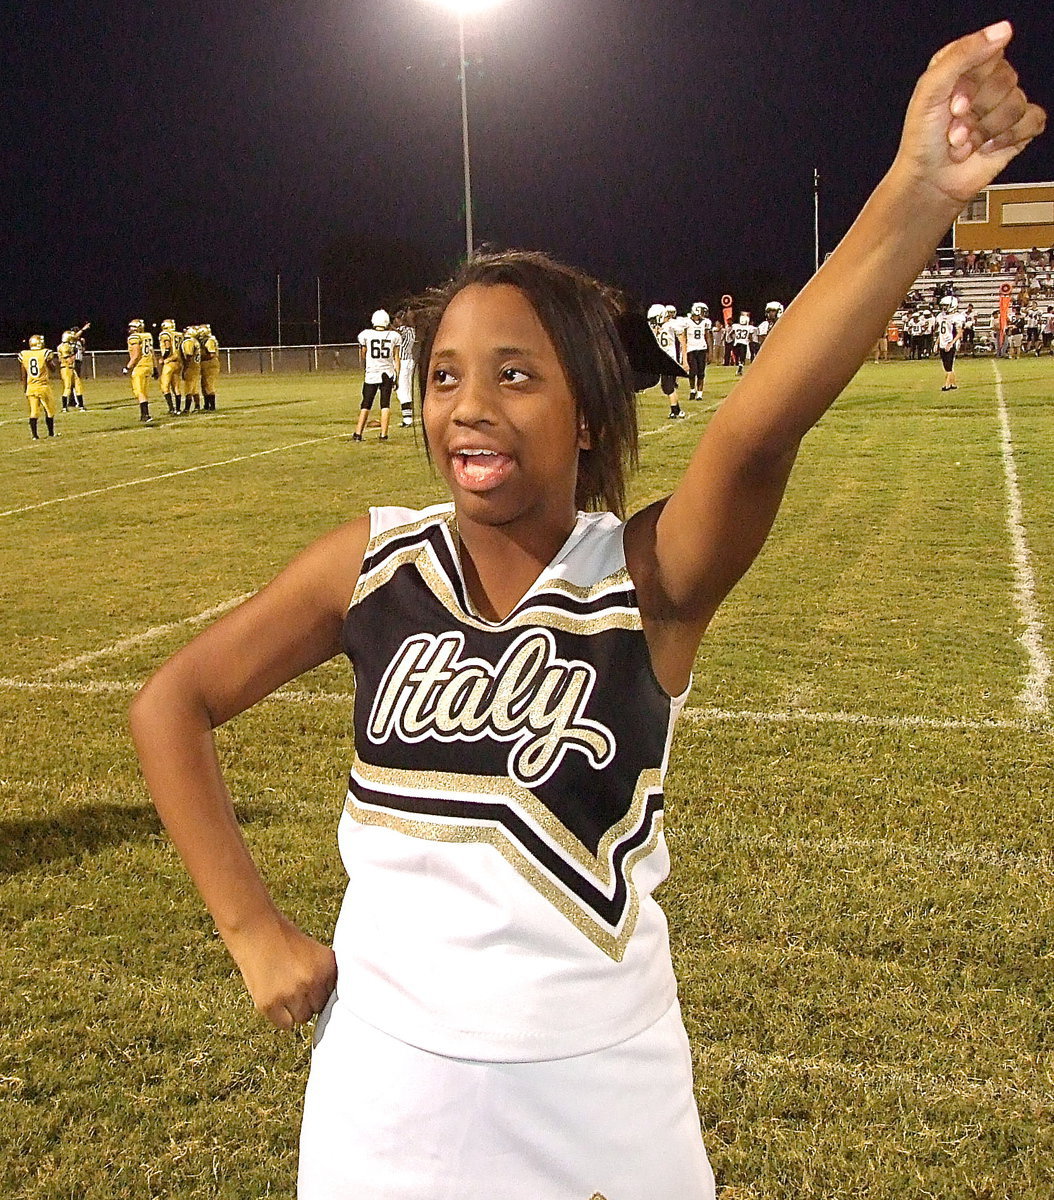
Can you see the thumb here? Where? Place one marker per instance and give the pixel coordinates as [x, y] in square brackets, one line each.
[966, 55]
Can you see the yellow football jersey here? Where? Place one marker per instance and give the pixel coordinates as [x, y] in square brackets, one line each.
[38, 366]
[190, 348]
[210, 348]
[168, 345]
[67, 354]
[145, 344]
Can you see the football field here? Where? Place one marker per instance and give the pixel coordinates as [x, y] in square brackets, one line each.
[860, 808]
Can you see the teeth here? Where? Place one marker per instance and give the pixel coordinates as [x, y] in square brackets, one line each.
[473, 453]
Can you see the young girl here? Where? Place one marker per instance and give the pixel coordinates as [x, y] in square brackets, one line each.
[499, 1013]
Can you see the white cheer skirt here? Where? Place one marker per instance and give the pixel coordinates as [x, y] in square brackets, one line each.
[387, 1121]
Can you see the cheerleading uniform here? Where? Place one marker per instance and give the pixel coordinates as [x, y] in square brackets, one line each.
[505, 1021]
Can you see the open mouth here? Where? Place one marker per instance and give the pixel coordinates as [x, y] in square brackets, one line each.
[479, 470]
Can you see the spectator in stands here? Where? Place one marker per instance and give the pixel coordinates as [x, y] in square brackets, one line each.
[969, 324]
[995, 261]
[958, 262]
[982, 261]
[970, 263]
[1035, 257]
[1011, 262]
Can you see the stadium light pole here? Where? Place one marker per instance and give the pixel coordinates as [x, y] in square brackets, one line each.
[464, 8]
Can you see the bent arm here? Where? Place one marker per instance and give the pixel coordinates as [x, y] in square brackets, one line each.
[966, 120]
[291, 626]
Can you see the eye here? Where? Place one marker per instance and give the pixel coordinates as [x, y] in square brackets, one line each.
[513, 375]
[441, 377]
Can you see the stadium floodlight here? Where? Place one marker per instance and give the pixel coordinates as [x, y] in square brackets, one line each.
[463, 9]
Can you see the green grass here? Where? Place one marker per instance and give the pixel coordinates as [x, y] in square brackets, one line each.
[861, 904]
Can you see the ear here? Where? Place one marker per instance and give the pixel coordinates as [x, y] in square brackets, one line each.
[585, 440]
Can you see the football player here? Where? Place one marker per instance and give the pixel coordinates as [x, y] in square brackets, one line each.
[35, 366]
[698, 343]
[741, 335]
[210, 365]
[72, 386]
[140, 365]
[949, 332]
[773, 312]
[171, 364]
[190, 356]
[379, 355]
[663, 321]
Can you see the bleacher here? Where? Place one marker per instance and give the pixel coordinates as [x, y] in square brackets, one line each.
[981, 289]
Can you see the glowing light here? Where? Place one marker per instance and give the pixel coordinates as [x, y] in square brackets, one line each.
[466, 7]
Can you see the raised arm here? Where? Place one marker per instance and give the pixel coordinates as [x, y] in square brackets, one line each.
[289, 627]
[966, 120]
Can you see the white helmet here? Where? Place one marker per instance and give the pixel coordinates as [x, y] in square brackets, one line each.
[656, 312]
[774, 306]
[380, 319]
[949, 303]
[671, 310]
[699, 309]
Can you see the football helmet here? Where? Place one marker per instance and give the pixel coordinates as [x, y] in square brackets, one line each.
[949, 303]
[656, 312]
[744, 318]
[168, 325]
[380, 319]
[774, 306]
[70, 335]
[36, 341]
[670, 310]
[136, 326]
[699, 309]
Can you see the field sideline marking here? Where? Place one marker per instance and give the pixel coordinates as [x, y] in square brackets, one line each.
[878, 1074]
[1033, 697]
[147, 635]
[701, 716]
[113, 487]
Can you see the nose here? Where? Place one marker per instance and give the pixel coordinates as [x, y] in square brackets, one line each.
[474, 400]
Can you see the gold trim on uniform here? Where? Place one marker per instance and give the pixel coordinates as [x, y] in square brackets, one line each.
[536, 612]
[599, 867]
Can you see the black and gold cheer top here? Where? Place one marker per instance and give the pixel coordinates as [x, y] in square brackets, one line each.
[503, 826]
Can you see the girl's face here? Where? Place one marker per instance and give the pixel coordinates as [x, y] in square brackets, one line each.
[499, 416]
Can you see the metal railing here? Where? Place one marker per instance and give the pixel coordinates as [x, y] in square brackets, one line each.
[234, 360]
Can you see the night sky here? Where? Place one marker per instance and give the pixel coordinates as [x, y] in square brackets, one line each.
[178, 156]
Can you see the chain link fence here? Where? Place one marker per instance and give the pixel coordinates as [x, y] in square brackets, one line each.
[234, 360]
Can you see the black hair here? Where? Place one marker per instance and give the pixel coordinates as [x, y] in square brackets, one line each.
[579, 314]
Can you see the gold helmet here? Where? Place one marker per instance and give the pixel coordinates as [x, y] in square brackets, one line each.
[36, 341]
[136, 326]
[168, 324]
[70, 335]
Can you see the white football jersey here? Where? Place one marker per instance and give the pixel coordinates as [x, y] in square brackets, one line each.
[695, 332]
[949, 327]
[379, 345]
[743, 335]
[666, 336]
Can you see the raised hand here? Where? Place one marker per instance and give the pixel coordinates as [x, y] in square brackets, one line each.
[967, 117]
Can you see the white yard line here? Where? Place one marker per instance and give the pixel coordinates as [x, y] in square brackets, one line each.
[136, 639]
[810, 716]
[1033, 696]
[113, 487]
[873, 1075]
[700, 716]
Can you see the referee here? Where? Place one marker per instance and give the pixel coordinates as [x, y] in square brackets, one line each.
[404, 388]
